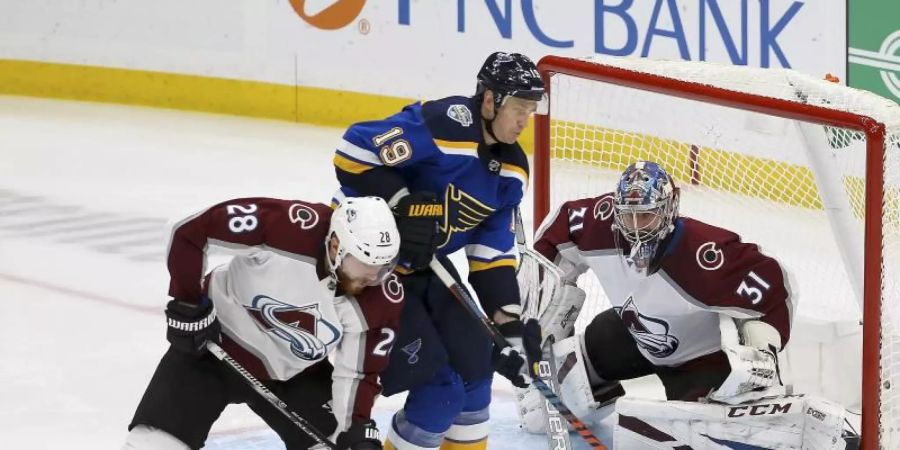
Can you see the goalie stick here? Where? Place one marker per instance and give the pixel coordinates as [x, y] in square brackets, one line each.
[472, 307]
[273, 399]
[557, 431]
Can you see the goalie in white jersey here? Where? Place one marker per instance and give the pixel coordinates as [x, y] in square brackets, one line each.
[313, 283]
[691, 303]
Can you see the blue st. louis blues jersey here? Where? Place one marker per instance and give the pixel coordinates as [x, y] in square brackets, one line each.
[435, 147]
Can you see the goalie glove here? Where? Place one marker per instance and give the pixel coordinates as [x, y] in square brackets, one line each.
[558, 319]
[754, 368]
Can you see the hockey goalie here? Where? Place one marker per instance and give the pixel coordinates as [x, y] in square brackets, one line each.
[691, 304]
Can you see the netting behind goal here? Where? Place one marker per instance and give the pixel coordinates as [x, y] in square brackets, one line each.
[776, 156]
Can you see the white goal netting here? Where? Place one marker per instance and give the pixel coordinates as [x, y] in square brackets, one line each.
[795, 187]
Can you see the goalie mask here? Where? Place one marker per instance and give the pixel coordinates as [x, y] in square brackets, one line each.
[646, 206]
[367, 242]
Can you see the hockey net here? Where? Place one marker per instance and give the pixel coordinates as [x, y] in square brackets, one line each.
[781, 158]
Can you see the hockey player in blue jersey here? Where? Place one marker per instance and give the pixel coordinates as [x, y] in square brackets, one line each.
[454, 174]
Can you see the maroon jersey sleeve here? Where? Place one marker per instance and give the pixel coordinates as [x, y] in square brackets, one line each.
[577, 226]
[364, 351]
[716, 269]
[287, 226]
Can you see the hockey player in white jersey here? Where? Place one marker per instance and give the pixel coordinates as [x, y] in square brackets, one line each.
[691, 304]
[313, 282]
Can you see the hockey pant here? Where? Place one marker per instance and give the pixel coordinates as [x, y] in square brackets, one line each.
[443, 358]
[688, 382]
[187, 394]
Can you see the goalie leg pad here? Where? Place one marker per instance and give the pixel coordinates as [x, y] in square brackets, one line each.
[558, 319]
[583, 394]
[791, 422]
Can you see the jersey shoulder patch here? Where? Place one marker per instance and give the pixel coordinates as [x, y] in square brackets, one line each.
[382, 305]
[703, 246]
[715, 267]
[453, 119]
[590, 222]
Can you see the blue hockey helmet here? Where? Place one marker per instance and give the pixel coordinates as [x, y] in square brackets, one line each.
[510, 75]
[646, 206]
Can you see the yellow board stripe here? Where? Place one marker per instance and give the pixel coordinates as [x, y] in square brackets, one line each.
[200, 93]
[348, 165]
[475, 266]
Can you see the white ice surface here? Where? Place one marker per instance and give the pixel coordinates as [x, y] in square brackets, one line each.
[86, 191]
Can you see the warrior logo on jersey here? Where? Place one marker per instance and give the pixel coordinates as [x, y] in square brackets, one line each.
[462, 212]
[302, 326]
[461, 114]
[650, 333]
[303, 215]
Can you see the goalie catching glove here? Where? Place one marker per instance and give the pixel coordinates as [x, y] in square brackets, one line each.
[515, 362]
[418, 218]
[754, 364]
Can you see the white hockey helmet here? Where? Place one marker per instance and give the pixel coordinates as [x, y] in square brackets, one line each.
[368, 239]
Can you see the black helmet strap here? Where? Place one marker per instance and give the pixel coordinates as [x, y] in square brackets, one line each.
[489, 123]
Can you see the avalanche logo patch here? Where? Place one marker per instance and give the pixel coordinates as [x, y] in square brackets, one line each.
[461, 114]
[604, 208]
[302, 326]
[710, 257]
[650, 333]
[303, 215]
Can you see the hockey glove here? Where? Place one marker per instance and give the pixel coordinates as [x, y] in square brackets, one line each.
[360, 436]
[516, 362]
[418, 215]
[191, 326]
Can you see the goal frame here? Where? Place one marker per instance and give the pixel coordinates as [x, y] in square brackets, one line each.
[874, 194]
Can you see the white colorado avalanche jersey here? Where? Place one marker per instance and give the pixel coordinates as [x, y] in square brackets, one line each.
[276, 303]
[672, 313]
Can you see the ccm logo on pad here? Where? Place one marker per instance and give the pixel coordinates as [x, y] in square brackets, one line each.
[759, 410]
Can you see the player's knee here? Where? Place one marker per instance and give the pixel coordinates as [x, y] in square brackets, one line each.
[429, 412]
[144, 437]
[434, 406]
[405, 435]
[469, 431]
[470, 428]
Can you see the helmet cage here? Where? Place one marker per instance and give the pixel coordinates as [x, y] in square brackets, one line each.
[645, 209]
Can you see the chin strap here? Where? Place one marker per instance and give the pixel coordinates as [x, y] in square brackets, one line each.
[489, 127]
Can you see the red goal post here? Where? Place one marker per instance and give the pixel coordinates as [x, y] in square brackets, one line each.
[586, 143]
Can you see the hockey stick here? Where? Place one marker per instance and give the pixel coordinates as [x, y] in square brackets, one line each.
[273, 399]
[557, 431]
[475, 311]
